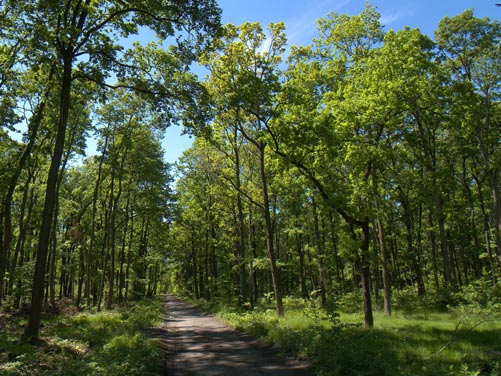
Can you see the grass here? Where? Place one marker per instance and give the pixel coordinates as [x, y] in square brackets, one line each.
[92, 344]
[462, 341]
[406, 345]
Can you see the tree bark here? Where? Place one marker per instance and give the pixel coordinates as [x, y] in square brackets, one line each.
[487, 234]
[18, 254]
[382, 244]
[269, 232]
[33, 326]
[241, 224]
[90, 249]
[366, 275]
[6, 214]
[320, 255]
[111, 245]
[362, 263]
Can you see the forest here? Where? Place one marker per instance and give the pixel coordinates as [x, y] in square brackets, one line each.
[354, 180]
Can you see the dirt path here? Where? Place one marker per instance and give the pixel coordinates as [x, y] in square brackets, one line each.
[198, 344]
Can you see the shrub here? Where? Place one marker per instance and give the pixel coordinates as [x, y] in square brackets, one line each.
[480, 294]
[141, 315]
[94, 329]
[130, 354]
[256, 323]
[350, 302]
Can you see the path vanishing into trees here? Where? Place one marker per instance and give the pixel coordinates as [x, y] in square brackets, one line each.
[200, 344]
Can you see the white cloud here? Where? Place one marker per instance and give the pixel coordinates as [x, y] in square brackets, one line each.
[265, 47]
[301, 30]
[388, 19]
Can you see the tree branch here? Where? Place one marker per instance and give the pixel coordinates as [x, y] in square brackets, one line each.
[124, 86]
[320, 187]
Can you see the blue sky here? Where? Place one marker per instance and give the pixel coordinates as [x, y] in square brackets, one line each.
[299, 17]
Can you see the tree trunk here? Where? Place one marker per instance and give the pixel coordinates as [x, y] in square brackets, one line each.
[444, 251]
[104, 262]
[252, 248]
[53, 258]
[111, 246]
[433, 244]
[493, 183]
[32, 328]
[241, 224]
[22, 232]
[382, 244]
[194, 265]
[483, 131]
[21, 240]
[339, 264]
[81, 275]
[485, 218]
[121, 278]
[362, 263]
[269, 232]
[302, 268]
[129, 259]
[90, 249]
[320, 255]
[100, 291]
[6, 214]
[366, 274]
[114, 201]
[213, 262]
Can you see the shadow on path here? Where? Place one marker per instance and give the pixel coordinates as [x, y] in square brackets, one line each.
[198, 344]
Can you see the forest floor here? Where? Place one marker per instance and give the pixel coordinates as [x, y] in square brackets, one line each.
[199, 344]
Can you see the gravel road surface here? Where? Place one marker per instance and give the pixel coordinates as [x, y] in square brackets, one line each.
[197, 344]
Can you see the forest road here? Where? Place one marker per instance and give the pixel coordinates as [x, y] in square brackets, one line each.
[198, 344]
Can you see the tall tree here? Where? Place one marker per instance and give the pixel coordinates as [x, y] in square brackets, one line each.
[471, 48]
[74, 29]
[244, 78]
[318, 78]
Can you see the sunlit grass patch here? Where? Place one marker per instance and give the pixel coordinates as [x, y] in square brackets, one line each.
[410, 343]
[106, 343]
[130, 354]
[442, 344]
[142, 314]
[94, 329]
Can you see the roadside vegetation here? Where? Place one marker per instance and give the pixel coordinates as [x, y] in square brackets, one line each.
[107, 343]
[440, 334]
[359, 174]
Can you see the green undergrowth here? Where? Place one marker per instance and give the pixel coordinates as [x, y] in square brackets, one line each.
[420, 337]
[109, 343]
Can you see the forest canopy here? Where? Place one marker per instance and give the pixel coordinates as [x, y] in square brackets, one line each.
[364, 163]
